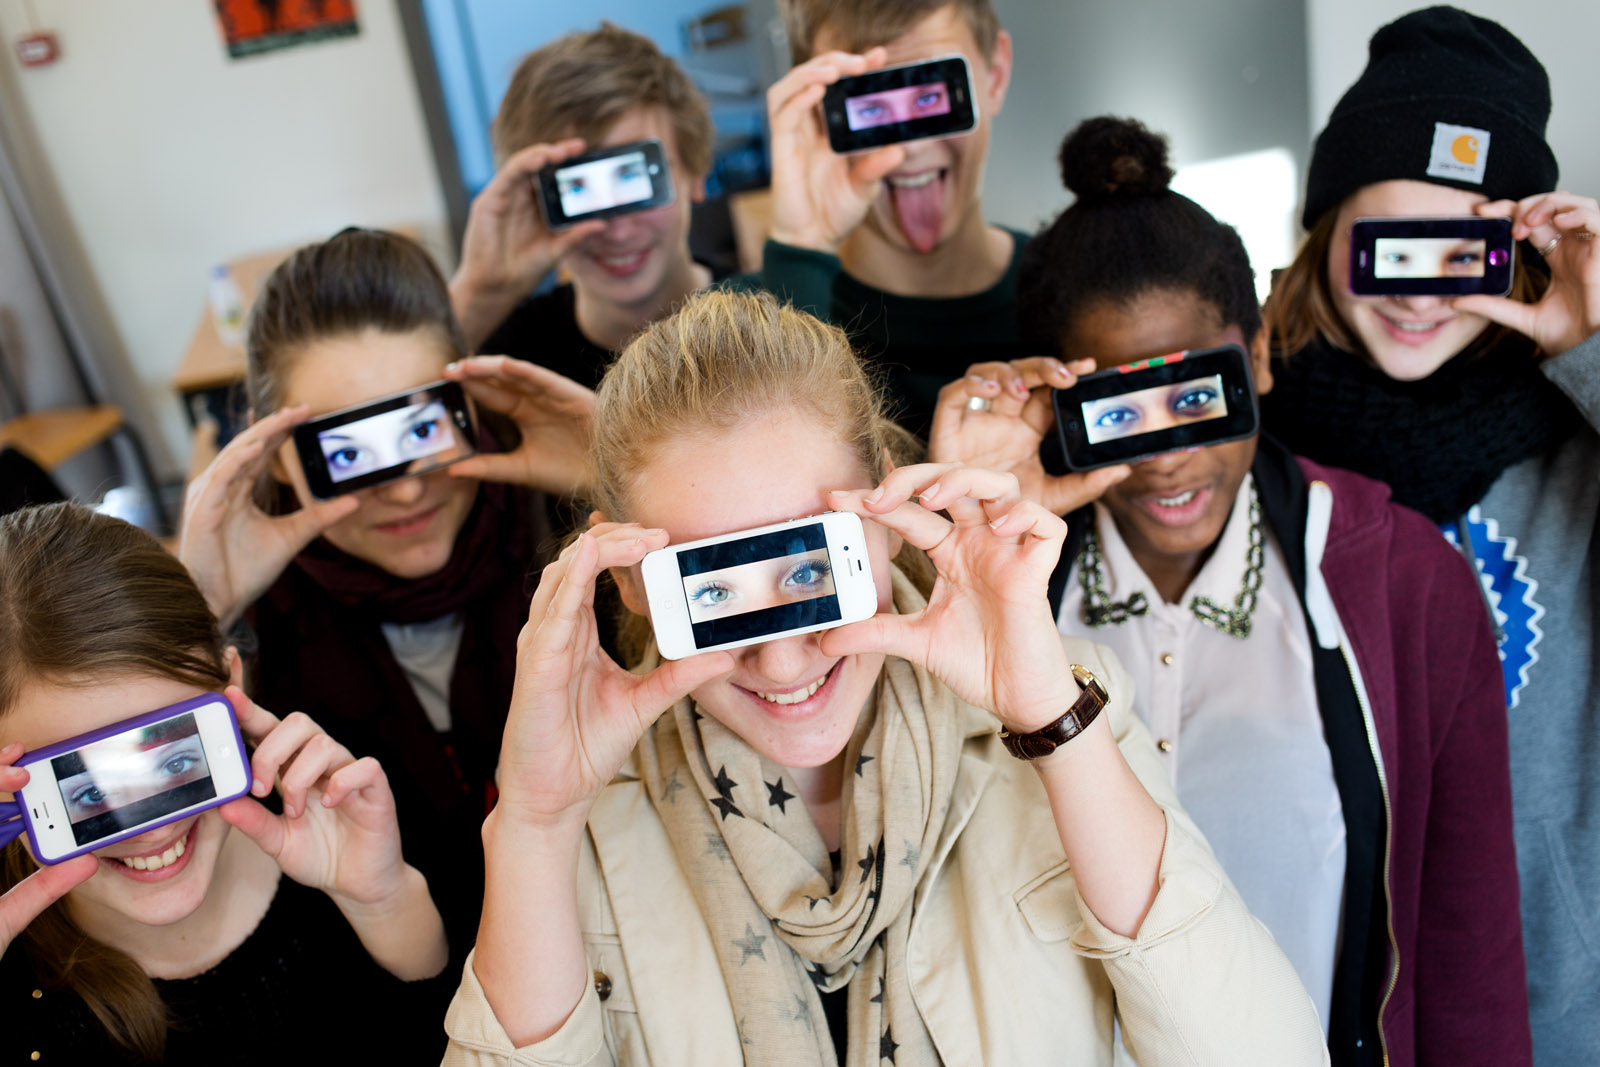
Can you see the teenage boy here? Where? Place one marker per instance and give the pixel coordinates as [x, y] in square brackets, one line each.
[892, 244]
[582, 92]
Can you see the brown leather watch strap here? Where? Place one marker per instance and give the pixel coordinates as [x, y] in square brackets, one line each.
[1091, 701]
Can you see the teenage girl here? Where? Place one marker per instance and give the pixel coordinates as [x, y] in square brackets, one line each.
[187, 944]
[1314, 661]
[1480, 412]
[389, 614]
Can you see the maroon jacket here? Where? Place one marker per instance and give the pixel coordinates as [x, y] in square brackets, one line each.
[1405, 666]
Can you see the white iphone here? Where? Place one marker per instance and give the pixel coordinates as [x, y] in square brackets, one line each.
[756, 585]
[99, 788]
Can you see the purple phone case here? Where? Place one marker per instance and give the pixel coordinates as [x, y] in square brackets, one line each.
[62, 747]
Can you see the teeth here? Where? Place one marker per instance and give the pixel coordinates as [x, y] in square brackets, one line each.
[914, 181]
[1415, 327]
[795, 697]
[1177, 501]
[154, 863]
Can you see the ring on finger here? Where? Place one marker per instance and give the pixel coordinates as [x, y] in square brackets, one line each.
[979, 403]
[1551, 247]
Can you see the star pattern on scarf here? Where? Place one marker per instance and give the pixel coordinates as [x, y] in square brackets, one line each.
[887, 1045]
[669, 791]
[717, 845]
[913, 855]
[862, 761]
[723, 801]
[818, 976]
[877, 998]
[801, 1012]
[750, 945]
[744, 1038]
[778, 796]
[868, 862]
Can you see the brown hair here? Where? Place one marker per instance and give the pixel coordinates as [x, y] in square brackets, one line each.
[1300, 308]
[864, 24]
[356, 280]
[84, 597]
[723, 358]
[581, 84]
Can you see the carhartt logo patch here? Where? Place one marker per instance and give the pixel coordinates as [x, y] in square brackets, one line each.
[1460, 153]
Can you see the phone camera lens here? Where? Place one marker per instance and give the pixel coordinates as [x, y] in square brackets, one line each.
[1497, 257]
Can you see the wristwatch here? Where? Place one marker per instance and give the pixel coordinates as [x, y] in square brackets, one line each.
[1091, 701]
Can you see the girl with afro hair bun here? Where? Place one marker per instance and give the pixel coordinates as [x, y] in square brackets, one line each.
[1315, 662]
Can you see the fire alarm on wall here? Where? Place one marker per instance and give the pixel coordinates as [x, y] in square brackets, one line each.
[37, 49]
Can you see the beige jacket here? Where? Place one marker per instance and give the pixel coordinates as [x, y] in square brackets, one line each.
[1006, 963]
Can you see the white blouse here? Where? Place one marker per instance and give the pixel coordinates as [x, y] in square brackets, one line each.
[1237, 723]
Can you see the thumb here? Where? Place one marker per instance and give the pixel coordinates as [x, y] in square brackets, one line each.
[256, 823]
[870, 169]
[490, 467]
[1502, 310]
[894, 635]
[1069, 492]
[675, 679]
[306, 525]
[29, 897]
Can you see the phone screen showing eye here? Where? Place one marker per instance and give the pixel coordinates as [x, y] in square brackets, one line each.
[759, 586]
[393, 437]
[1431, 257]
[134, 777]
[908, 103]
[605, 183]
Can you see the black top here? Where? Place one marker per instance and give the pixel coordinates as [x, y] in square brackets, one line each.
[543, 329]
[300, 989]
[921, 344]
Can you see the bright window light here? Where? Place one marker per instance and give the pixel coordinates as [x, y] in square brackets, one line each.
[1256, 193]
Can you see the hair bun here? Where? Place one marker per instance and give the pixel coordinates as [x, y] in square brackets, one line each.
[1108, 156]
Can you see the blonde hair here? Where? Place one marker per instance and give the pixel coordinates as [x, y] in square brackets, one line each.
[864, 24]
[724, 358]
[581, 84]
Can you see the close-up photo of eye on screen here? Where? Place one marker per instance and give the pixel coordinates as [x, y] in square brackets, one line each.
[133, 777]
[387, 440]
[1160, 407]
[767, 583]
[1428, 257]
[897, 105]
[604, 183]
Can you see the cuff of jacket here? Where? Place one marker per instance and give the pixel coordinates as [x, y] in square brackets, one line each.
[1576, 372]
[478, 1040]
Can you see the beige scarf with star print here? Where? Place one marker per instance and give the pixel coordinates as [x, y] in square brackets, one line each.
[783, 925]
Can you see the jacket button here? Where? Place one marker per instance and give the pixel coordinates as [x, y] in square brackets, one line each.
[602, 985]
[1164, 745]
[1167, 659]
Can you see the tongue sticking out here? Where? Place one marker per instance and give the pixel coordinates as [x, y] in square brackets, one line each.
[920, 210]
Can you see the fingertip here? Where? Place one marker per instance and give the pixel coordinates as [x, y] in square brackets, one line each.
[327, 800]
[258, 788]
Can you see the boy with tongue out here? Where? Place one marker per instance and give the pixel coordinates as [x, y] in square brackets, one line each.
[892, 243]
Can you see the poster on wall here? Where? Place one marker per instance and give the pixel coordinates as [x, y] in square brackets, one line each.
[252, 27]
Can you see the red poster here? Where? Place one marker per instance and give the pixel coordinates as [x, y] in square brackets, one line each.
[255, 26]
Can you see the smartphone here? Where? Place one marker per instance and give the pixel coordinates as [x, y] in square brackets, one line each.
[1185, 400]
[910, 103]
[603, 183]
[756, 585]
[99, 788]
[392, 437]
[1431, 257]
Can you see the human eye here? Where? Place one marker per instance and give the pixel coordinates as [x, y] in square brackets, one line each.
[870, 111]
[930, 99]
[712, 594]
[179, 763]
[1194, 402]
[347, 458]
[1117, 418]
[806, 576]
[1395, 259]
[89, 796]
[419, 435]
[630, 171]
[572, 185]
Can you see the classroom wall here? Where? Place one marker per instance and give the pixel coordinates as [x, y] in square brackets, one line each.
[1562, 33]
[167, 157]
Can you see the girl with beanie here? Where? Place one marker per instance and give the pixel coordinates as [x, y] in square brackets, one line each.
[1314, 661]
[1480, 412]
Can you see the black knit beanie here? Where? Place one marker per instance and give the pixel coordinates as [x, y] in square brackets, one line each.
[1447, 97]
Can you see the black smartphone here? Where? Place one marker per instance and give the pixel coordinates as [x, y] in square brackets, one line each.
[1185, 400]
[397, 436]
[909, 103]
[605, 183]
[1431, 257]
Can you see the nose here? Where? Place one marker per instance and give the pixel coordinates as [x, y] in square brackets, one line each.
[403, 492]
[1419, 303]
[1166, 463]
[784, 661]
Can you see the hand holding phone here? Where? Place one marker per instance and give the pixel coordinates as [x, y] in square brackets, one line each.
[605, 183]
[26, 900]
[1431, 257]
[397, 436]
[759, 585]
[1132, 412]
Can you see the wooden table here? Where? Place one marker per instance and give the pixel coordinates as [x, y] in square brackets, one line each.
[55, 435]
[210, 362]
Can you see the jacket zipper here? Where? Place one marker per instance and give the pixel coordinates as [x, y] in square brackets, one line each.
[1388, 840]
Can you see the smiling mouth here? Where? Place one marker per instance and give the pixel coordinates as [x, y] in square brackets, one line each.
[623, 264]
[794, 696]
[157, 865]
[408, 525]
[1177, 501]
